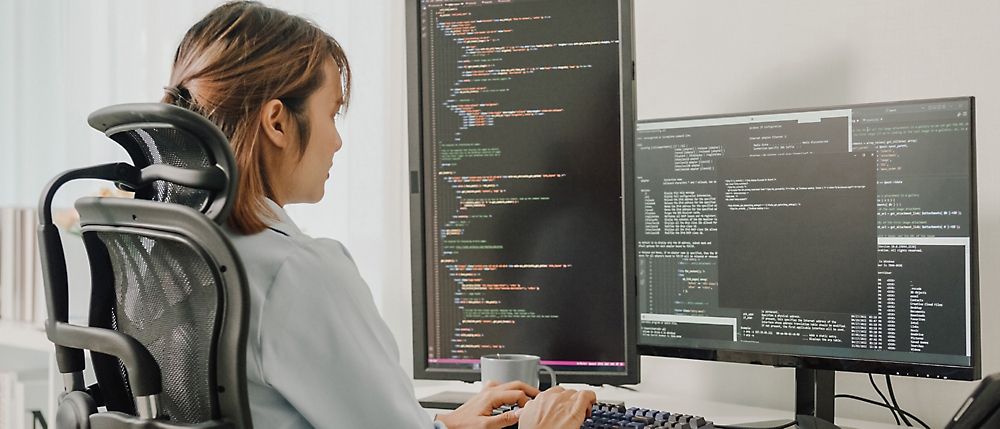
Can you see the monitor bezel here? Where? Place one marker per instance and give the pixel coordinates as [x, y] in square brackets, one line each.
[951, 372]
[418, 246]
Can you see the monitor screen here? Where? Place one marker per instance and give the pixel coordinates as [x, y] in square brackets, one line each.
[521, 237]
[833, 238]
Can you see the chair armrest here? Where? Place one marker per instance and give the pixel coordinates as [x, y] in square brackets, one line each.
[143, 371]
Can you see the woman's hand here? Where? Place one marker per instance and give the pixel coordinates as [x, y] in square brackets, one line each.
[557, 408]
[478, 412]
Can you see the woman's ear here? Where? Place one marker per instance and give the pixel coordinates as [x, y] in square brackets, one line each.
[274, 120]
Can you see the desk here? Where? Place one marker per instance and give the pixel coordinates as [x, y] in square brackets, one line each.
[721, 413]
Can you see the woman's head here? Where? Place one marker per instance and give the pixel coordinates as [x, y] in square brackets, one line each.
[272, 82]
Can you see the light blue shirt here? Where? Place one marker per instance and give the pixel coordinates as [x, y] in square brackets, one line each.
[319, 354]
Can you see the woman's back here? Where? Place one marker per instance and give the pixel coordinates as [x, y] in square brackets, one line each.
[318, 353]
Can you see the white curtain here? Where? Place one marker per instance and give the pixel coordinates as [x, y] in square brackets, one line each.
[62, 59]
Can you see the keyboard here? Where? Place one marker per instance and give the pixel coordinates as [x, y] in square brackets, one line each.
[616, 416]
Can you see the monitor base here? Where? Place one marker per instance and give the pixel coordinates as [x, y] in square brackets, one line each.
[802, 422]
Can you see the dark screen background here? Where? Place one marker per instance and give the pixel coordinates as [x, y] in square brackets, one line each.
[846, 237]
[523, 180]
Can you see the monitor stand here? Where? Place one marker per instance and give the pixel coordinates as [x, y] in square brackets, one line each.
[814, 390]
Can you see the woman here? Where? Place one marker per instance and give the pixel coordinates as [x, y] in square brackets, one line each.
[318, 353]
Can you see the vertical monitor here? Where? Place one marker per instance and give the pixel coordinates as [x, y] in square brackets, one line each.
[521, 136]
[838, 238]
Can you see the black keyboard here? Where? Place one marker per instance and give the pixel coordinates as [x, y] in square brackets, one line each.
[616, 416]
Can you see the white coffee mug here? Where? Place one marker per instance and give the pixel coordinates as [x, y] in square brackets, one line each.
[504, 368]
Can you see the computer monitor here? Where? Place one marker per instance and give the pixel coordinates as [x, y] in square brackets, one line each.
[521, 131]
[838, 238]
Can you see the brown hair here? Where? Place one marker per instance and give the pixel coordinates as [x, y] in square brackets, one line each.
[239, 57]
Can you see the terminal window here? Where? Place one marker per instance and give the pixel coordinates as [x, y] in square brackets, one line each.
[839, 232]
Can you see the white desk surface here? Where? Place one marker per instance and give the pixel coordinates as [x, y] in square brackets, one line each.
[720, 413]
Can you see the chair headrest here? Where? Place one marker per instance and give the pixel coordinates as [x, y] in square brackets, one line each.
[160, 133]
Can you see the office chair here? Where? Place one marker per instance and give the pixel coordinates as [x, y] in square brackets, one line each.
[169, 303]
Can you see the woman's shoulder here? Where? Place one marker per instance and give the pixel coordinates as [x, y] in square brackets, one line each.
[274, 247]
[268, 244]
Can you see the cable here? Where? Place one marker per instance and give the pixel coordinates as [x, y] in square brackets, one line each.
[879, 391]
[786, 425]
[892, 396]
[858, 398]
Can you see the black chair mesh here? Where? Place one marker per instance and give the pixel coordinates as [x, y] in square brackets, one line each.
[167, 299]
[174, 147]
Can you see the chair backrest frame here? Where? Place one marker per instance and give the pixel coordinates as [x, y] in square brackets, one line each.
[177, 222]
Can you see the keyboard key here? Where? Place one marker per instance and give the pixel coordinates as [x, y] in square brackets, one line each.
[643, 420]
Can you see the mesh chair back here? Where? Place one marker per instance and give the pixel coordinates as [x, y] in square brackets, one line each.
[172, 280]
[173, 147]
[166, 296]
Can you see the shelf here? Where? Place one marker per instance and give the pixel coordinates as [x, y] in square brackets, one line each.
[25, 336]
[25, 349]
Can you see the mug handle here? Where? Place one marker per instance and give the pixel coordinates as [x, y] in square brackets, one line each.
[552, 374]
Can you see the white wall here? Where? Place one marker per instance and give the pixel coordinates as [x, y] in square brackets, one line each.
[707, 57]
[61, 59]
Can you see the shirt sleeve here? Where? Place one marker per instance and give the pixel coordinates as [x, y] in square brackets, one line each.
[327, 351]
